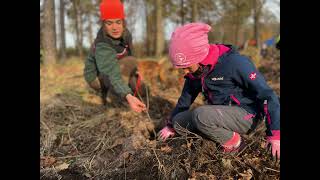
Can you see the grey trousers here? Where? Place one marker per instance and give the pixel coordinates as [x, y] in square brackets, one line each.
[216, 122]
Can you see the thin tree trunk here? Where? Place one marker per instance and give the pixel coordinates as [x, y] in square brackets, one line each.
[75, 9]
[80, 42]
[257, 10]
[159, 29]
[77, 27]
[148, 34]
[255, 22]
[237, 22]
[54, 27]
[48, 34]
[90, 31]
[62, 31]
[194, 12]
[222, 36]
[182, 11]
[150, 43]
[236, 33]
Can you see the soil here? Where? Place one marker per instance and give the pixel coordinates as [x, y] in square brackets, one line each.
[82, 139]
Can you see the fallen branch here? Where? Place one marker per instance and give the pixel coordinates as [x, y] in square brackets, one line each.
[161, 166]
[272, 169]
[75, 156]
[97, 147]
[71, 141]
[147, 111]
[186, 131]
[246, 147]
[246, 164]
[90, 163]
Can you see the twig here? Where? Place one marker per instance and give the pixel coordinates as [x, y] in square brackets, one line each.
[272, 169]
[90, 123]
[61, 141]
[71, 139]
[147, 98]
[147, 94]
[46, 126]
[259, 128]
[125, 170]
[110, 147]
[49, 137]
[160, 164]
[246, 164]
[90, 163]
[147, 112]
[53, 170]
[80, 155]
[124, 163]
[74, 116]
[97, 147]
[246, 147]
[186, 131]
[72, 105]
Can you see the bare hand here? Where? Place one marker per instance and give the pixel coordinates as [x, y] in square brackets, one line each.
[135, 104]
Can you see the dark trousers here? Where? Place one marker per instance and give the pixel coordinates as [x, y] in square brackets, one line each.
[105, 87]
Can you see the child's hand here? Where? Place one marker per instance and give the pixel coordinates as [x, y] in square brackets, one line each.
[166, 132]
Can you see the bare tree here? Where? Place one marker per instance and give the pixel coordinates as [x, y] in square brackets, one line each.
[182, 13]
[41, 21]
[190, 11]
[88, 11]
[80, 29]
[62, 30]
[150, 28]
[90, 31]
[236, 13]
[257, 6]
[194, 11]
[159, 29]
[76, 15]
[54, 27]
[48, 33]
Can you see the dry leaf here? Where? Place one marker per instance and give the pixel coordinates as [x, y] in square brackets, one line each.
[189, 144]
[212, 177]
[247, 175]
[87, 175]
[62, 166]
[166, 149]
[152, 144]
[125, 155]
[47, 161]
[226, 163]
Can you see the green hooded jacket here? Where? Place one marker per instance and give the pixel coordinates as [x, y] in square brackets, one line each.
[103, 60]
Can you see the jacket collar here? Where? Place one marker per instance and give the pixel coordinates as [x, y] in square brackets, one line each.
[217, 52]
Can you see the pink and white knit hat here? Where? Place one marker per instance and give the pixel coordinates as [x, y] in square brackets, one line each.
[189, 44]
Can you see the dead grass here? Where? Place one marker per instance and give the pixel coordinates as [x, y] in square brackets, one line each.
[79, 139]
